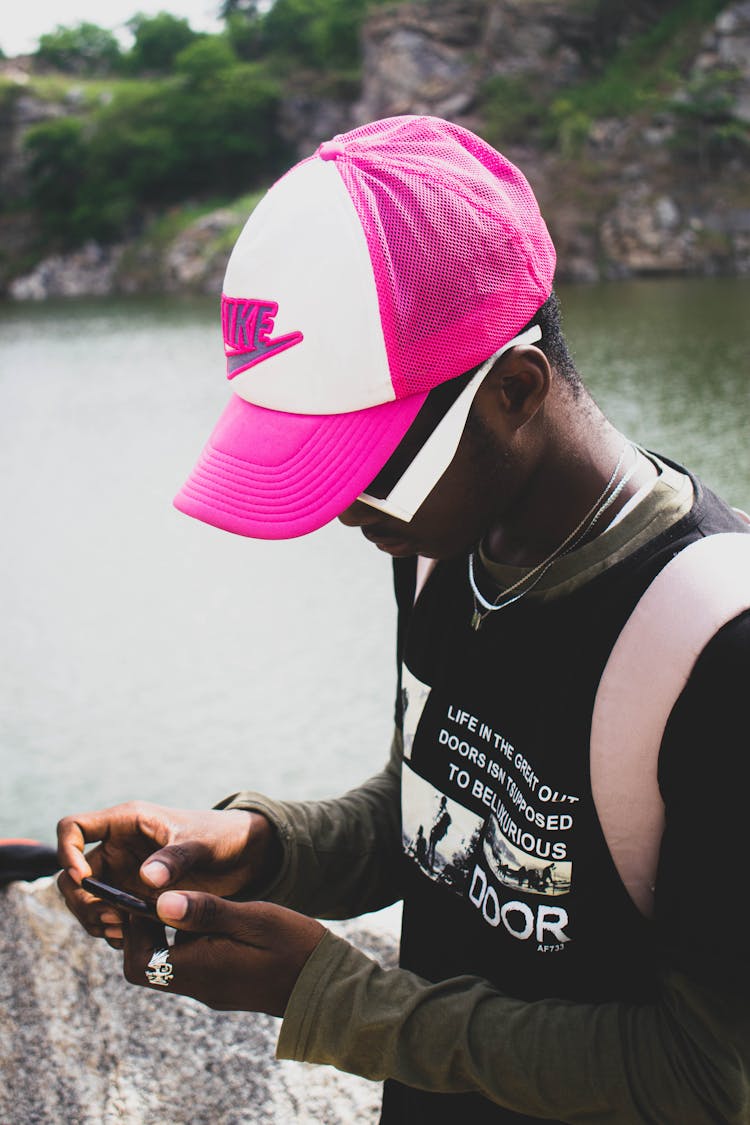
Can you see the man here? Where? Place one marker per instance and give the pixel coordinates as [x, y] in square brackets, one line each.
[395, 351]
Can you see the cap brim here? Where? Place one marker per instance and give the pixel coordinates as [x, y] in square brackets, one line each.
[272, 475]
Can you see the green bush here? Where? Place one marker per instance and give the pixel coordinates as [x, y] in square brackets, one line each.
[225, 120]
[316, 33]
[56, 150]
[245, 33]
[638, 76]
[83, 49]
[9, 93]
[157, 40]
[707, 130]
[321, 35]
[203, 60]
[210, 129]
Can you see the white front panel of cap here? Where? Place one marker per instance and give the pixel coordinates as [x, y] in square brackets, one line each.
[303, 250]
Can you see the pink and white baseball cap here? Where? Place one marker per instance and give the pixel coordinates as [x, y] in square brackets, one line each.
[400, 255]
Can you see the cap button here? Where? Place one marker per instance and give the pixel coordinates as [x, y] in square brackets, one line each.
[329, 150]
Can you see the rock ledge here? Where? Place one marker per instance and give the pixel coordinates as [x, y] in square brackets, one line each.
[81, 1046]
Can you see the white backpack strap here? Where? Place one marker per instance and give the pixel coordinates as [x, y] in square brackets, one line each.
[699, 590]
[425, 568]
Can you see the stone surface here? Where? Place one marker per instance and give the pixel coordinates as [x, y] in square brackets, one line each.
[624, 203]
[433, 58]
[307, 117]
[197, 258]
[87, 272]
[417, 59]
[645, 233]
[193, 261]
[79, 1045]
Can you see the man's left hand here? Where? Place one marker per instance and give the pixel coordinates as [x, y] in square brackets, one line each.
[232, 956]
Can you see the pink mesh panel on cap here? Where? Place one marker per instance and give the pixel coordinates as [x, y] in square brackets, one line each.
[461, 255]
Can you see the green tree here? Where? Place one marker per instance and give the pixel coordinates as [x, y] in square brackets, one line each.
[56, 152]
[225, 113]
[250, 9]
[82, 49]
[157, 40]
[319, 34]
[133, 152]
[208, 130]
[244, 31]
[204, 59]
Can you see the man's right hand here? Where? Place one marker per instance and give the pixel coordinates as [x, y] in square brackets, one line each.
[145, 849]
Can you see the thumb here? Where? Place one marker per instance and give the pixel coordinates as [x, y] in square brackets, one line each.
[198, 912]
[171, 863]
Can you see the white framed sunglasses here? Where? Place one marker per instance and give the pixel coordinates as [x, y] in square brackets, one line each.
[418, 480]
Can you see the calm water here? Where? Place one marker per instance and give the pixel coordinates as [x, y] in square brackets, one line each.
[144, 654]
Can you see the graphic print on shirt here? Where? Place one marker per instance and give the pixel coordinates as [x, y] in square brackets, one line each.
[439, 834]
[479, 820]
[414, 695]
[516, 868]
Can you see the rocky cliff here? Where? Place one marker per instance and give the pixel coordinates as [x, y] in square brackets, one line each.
[79, 1045]
[661, 188]
[655, 191]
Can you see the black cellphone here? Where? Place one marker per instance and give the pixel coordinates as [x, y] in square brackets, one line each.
[120, 898]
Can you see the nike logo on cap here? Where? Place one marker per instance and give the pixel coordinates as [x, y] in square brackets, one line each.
[247, 326]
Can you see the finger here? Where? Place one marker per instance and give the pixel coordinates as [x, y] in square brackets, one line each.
[197, 912]
[141, 937]
[70, 843]
[252, 923]
[129, 822]
[172, 863]
[94, 915]
[239, 955]
[73, 833]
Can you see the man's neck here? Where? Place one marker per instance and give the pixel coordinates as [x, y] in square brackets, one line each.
[561, 493]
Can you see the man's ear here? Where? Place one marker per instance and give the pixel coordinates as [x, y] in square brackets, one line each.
[518, 384]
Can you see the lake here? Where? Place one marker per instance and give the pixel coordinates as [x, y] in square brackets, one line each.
[144, 654]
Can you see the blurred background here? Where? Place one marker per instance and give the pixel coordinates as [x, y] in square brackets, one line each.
[144, 654]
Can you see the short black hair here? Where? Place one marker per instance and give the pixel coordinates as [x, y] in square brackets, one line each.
[553, 342]
[442, 397]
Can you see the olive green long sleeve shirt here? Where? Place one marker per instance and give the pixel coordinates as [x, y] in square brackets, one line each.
[679, 1061]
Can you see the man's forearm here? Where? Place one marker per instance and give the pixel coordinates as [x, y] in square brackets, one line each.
[675, 1062]
[337, 858]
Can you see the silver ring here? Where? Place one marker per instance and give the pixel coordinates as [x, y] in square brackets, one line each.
[159, 971]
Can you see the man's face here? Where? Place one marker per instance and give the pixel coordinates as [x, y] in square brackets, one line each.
[459, 509]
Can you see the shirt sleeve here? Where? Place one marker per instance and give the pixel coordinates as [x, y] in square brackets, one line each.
[684, 1057]
[669, 1063]
[339, 858]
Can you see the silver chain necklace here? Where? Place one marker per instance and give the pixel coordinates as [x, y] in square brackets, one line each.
[529, 580]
